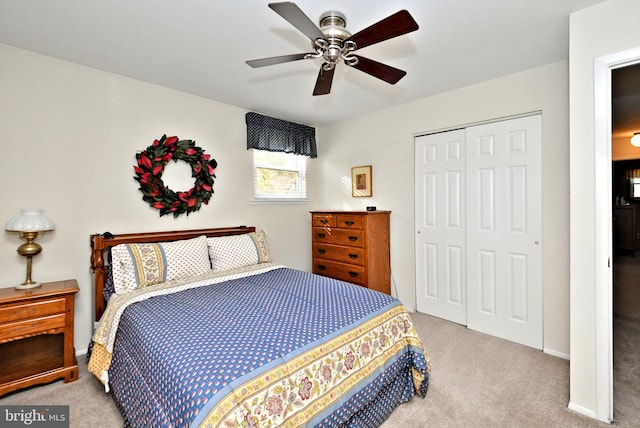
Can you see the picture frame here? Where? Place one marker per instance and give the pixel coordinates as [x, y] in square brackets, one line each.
[361, 183]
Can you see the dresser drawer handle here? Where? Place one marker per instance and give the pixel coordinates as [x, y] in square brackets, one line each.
[324, 221]
[353, 274]
[349, 222]
[322, 250]
[322, 267]
[321, 235]
[353, 256]
[353, 238]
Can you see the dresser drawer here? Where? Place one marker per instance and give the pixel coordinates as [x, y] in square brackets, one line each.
[323, 220]
[350, 273]
[30, 327]
[352, 238]
[349, 255]
[26, 310]
[350, 221]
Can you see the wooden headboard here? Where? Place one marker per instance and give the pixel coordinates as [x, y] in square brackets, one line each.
[101, 244]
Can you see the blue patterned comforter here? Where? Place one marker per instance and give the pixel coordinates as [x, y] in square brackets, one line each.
[280, 347]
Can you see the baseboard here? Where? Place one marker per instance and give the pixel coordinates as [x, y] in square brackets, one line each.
[556, 354]
[583, 411]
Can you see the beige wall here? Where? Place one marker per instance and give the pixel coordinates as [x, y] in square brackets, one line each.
[602, 30]
[69, 139]
[385, 140]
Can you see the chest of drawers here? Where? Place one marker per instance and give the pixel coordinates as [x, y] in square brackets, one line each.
[36, 335]
[353, 246]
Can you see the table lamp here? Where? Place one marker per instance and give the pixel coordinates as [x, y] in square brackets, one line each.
[29, 223]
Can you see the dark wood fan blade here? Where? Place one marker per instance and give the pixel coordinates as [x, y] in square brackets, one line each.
[392, 26]
[323, 83]
[377, 69]
[263, 62]
[296, 17]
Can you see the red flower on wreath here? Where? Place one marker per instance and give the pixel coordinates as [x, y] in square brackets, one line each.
[151, 164]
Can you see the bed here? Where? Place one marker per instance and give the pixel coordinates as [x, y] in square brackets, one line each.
[200, 328]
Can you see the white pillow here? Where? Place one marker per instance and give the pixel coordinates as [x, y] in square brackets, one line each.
[231, 252]
[139, 265]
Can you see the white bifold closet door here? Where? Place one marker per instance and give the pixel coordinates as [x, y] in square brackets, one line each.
[478, 228]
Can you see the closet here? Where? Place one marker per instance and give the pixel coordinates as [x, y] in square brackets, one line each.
[478, 227]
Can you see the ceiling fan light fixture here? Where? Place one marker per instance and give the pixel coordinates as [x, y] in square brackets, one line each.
[635, 140]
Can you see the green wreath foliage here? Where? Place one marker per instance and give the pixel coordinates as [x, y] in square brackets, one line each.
[151, 164]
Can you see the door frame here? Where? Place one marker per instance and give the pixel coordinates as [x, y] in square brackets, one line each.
[603, 251]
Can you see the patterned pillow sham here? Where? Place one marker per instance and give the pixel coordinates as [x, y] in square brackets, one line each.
[231, 252]
[140, 265]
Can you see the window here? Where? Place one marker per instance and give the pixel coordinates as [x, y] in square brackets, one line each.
[280, 151]
[279, 176]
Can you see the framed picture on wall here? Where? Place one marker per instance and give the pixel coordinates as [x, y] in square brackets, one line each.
[361, 181]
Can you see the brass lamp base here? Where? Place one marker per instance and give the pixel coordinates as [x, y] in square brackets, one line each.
[29, 249]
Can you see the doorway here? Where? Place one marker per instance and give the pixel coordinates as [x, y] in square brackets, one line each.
[625, 121]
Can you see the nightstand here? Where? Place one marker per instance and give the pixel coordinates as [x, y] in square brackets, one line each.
[36, 335]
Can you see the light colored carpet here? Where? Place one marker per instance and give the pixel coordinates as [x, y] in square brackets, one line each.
[626, 337]
[482, 381]
[477, 381]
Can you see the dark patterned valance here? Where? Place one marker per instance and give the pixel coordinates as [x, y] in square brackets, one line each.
[276, 135]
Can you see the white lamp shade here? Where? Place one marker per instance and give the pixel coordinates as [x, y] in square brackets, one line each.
[635, 140]
[30, 220]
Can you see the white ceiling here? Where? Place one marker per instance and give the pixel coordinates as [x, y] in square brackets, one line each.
[200, 47]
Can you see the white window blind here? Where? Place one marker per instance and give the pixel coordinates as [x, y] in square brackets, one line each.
[279, 176]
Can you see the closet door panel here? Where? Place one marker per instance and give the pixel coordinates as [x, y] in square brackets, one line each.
[504, 219]
[440, 235]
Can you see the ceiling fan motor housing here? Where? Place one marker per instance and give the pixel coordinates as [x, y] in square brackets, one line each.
[332, 25]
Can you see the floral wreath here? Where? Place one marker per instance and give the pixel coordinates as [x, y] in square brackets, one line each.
[151, 163]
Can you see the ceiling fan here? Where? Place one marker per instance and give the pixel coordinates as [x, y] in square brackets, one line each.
[333, 43]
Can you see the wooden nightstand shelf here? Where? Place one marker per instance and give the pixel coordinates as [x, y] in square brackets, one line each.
[36, 335]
